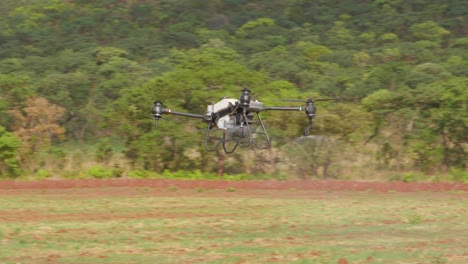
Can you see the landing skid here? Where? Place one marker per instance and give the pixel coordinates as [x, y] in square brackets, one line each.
[246, 138]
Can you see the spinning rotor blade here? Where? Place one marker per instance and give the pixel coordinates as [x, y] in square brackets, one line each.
[305, 100]
[337, 99]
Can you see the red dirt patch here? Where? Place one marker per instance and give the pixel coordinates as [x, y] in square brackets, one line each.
[332, 185]
[342, 261]
[31, 216]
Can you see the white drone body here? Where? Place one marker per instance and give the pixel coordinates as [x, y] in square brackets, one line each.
[234, 118]
[227, 121]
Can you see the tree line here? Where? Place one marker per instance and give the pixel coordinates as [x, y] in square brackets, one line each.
[80, 76]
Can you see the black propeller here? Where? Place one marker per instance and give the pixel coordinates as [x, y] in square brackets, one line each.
[306, 100]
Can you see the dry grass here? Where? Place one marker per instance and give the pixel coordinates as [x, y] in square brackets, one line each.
[145, 225]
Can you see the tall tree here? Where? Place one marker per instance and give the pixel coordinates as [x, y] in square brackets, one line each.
[9, 150]
[36, 124]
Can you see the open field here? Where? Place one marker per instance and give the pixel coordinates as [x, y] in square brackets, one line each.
[232, 222]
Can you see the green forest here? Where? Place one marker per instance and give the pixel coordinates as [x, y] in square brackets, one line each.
[78, 79]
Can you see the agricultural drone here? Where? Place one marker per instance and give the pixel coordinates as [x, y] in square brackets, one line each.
[231, 121]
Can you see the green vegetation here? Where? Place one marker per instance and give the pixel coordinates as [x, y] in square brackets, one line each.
[77, 79]
[125, 225]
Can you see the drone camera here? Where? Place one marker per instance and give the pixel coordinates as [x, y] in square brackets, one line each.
[158, 109]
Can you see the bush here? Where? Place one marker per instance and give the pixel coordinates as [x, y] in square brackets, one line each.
[104, 150]
[199, 175]
[9, 147]
[410, 177]
[100, 173]
[459, 175]
[42, 174]
[142, 174]
[192, 175]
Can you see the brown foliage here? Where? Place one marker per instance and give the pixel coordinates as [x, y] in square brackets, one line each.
[36, 124]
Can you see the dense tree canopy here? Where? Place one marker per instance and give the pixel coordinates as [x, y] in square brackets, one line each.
[88, 71]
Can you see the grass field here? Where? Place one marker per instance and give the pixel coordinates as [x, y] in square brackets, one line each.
[171, 225]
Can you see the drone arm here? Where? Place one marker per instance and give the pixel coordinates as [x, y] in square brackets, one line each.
[158, 110]
[283, 108]
[223, 112]
[169, 111]
[309, 110]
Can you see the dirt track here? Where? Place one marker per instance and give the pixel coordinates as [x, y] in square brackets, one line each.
[222, 184]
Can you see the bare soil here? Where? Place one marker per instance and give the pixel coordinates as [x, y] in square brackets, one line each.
[330, 185]
[37, 228]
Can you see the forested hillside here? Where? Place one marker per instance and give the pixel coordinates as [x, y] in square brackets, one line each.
[78, 78]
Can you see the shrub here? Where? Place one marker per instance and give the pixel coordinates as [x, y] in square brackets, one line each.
[408, 177]
[192, 175]
[104, 150]
[100, 173]
[9, 148]
[142, 174]
[459, 175]
[42, 174]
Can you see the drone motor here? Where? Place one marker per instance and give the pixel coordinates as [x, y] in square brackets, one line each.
[158, 110]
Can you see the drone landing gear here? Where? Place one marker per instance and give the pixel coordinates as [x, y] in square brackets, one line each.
[308, 128]
[213, 141]
[262, 133]
[226, 149]
[240, 135]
